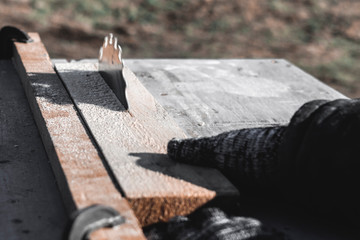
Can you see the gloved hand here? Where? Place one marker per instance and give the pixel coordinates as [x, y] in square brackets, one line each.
[314, 161]
[211, 224]
[246, 156]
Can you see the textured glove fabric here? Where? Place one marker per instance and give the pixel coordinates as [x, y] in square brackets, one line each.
[314, 161]
[212, 224]
[248, 154]
[319, 157]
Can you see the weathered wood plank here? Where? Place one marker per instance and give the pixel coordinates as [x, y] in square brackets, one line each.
[179, 102]
[80, 173]
[30, 202]
[207, 97]
[135, 146]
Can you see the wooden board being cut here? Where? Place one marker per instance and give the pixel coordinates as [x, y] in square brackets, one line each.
[79, 170]
[135, 147]
[207, 97]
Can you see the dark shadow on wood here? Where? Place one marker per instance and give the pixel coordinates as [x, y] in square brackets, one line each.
[99, 84]
[50, 87]
[161, 163]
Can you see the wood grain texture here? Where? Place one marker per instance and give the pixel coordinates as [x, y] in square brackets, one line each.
[135, 143]
[208, 109]
[31, 205]
[207, 97]
[80, 173]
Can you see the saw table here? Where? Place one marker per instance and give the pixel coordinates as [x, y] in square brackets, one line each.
[101, 154]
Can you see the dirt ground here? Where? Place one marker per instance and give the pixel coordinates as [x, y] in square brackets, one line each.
[322, 37]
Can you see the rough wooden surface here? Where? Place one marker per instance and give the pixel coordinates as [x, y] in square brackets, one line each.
[135, 143]
[207, 97]
[180, 99]
[30, 202]
[80, 173]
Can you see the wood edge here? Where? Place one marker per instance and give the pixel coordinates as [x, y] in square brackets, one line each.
[161, 209]
[35, 36]
[68, 200]
[177, 206]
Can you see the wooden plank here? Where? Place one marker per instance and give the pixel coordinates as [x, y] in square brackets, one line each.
[31, 205]
[179, 98]
[135, 147]
[207, 97]
[79, 170]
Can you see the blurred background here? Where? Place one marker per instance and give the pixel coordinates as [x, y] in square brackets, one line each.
[320, 36]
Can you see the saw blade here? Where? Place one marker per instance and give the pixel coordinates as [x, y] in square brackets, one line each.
[111, 68]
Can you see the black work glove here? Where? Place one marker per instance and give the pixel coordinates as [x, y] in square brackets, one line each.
[246, 156]
[211, 224]
[314, 161]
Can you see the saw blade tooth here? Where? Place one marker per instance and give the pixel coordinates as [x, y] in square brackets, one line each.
[119, 55]
[101, 53]
[111, 38]
[115, 42]
[120, 51]
[105, 42]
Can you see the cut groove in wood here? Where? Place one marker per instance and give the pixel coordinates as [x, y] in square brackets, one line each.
[80, 174]
[135, 146]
